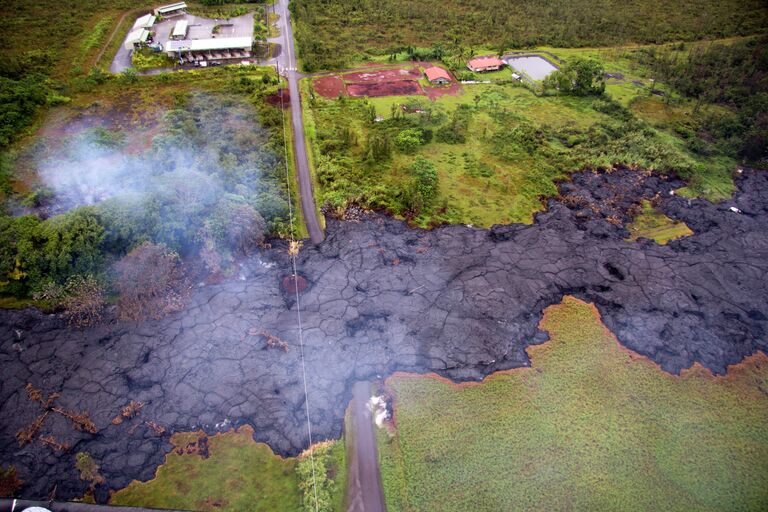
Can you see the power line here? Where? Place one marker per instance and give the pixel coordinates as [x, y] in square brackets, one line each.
[292, 254]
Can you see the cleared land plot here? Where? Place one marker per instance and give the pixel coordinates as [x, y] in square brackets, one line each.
[383, 75]
[398, 81]
[394, 88]
[328, 86]
[590, 426]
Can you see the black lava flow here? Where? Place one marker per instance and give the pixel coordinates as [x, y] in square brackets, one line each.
[459, 301]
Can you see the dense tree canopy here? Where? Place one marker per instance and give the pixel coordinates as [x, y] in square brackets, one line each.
[332, 33]
[732, 75]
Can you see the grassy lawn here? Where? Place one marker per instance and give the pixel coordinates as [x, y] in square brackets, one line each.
[653, 224]
[590, 426]
[238, 474]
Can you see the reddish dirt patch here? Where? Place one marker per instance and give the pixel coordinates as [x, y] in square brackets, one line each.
[281, 97]
[328, 86]
[443, 90]
[395, 88]
[383, 75]
[294, 283]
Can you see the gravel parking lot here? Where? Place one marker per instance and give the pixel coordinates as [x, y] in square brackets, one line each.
[199, 28]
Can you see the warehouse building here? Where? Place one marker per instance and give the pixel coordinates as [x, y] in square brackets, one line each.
[180, 30]
[136, 38]
[146, 21]
[167, 11]
[202, 50]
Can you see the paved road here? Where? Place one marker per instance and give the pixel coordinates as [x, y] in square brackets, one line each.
[364, 491]
[286, 62]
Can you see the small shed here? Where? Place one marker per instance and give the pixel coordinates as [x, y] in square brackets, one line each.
[180, 30]
[147, 21]
[136, 38]
[437, 75]
[486, 63]
[169, 10]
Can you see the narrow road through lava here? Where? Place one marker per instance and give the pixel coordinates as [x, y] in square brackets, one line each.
[286, 63]
[364, 490]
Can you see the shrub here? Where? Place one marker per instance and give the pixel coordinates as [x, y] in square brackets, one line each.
[316, 485]
[89, 470]
[409, 140]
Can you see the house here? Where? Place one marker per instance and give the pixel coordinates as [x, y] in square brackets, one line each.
[180, 30]
[146, 21]
[167, 11]
[486, 63]
[136, 39]
[437, 76]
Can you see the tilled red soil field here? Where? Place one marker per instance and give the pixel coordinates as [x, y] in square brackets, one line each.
[383, 75]
[328, 86]
[394, 88]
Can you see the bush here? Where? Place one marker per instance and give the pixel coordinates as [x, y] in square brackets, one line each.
[316, 484]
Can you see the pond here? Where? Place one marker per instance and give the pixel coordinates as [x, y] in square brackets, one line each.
[532, 65]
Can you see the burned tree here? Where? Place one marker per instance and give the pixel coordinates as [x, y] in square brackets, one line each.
[151, 282]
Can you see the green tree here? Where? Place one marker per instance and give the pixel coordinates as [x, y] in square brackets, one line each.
[71, 245]
[578, 77]
[422, 191]
[409, 140]
[19, 101]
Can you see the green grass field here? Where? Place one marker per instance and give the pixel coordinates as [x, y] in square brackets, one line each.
[590, 426]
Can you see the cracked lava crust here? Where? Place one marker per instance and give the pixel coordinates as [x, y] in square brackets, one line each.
[381, 297]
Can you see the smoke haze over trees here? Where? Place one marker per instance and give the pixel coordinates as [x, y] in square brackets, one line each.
[213, 178]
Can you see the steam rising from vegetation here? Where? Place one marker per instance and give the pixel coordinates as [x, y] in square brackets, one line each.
[209, 181]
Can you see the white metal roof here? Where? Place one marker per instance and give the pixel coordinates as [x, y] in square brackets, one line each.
[180, 29]
[145, 21]
[222, 43]
[137, 36]
[171, 7]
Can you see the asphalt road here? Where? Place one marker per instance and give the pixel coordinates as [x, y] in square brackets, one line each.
[286, 62]
[364, 491]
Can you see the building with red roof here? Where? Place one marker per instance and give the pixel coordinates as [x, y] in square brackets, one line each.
[486, 63]
[437, 75]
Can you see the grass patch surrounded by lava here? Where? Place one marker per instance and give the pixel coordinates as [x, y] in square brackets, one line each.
[238, 474]
[590, 426]
[653, 224]
[230, 471]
